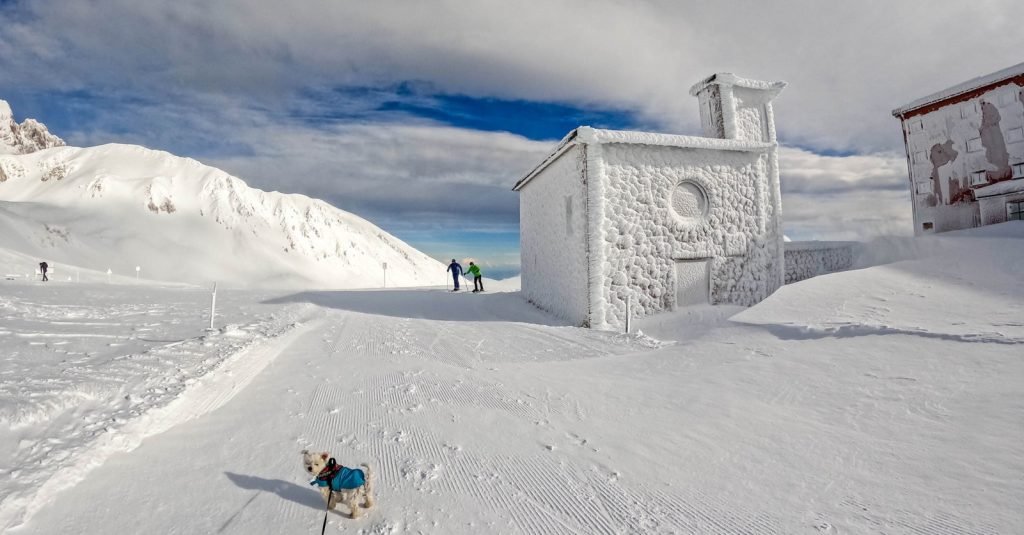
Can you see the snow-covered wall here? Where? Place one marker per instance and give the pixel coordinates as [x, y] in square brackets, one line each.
[552, 233]
[655, 220]
[751, 123]
[960, 144]
[812, 258]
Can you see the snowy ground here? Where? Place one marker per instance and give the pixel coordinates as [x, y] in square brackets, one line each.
[883, 400]
[81, 363]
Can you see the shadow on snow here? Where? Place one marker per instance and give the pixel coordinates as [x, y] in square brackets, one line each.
[292, 492]
[430, 304]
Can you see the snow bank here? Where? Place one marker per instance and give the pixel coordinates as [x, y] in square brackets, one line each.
[511, 284]
[93, 369]
[889, 249]
[962, 286]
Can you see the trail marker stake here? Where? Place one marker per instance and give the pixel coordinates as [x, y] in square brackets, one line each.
[213, 305]
[629, 300]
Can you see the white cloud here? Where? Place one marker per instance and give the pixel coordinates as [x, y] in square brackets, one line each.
[230, 70]
[430, 174]
[843, 197]
[848, 63]
[397, 175]
[421, 175]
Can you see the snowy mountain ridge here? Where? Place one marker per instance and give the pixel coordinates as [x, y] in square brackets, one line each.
[120, 206]
[29, 136]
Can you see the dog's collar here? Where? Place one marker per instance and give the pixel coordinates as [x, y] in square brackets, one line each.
[329, 471]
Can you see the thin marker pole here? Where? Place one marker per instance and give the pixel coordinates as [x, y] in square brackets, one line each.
[629, 300]
[213, 305]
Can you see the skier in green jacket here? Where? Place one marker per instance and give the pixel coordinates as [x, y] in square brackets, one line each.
[478, 280]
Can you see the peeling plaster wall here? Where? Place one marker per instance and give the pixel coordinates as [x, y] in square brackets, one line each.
[643, 236]
[810, 259]
[553, 244]
[981, 134]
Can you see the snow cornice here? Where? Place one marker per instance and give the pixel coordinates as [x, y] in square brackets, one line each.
[730, 79]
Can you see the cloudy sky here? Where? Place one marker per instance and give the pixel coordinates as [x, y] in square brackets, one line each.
[420, 115]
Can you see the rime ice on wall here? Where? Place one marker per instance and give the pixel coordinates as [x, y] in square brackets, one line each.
[667, 220]
[812, 258]
[711, 118]
[968, 137]
[552, 234]
[645, 236]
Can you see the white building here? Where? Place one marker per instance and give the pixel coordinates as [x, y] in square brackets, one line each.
[965, 153]
[660, 220]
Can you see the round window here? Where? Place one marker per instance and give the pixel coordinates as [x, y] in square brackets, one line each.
[689, 202]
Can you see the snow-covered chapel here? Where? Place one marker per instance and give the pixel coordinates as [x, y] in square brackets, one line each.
[660, 220]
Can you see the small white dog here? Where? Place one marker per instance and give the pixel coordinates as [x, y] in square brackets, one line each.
[338, 483]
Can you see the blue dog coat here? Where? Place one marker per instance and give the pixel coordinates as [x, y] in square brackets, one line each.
[340, 479]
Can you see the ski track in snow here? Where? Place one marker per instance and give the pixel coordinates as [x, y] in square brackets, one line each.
[538, 493]
[495, 426]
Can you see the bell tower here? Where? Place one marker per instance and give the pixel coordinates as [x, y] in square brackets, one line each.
[737, 108]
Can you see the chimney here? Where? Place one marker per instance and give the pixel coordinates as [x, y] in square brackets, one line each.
[737, 108]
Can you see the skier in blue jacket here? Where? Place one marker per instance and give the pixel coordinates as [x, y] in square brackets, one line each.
[456, 270]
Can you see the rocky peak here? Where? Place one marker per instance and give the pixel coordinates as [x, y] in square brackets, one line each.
[29, 136]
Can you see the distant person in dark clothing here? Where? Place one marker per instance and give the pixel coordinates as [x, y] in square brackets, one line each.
[43, 266]
[478, 279]
[456, 270]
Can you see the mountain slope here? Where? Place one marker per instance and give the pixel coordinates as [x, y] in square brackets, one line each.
[29, 136]
[121, 206]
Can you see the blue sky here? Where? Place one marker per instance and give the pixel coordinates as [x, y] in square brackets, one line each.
[419, 116]
[467, 228]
